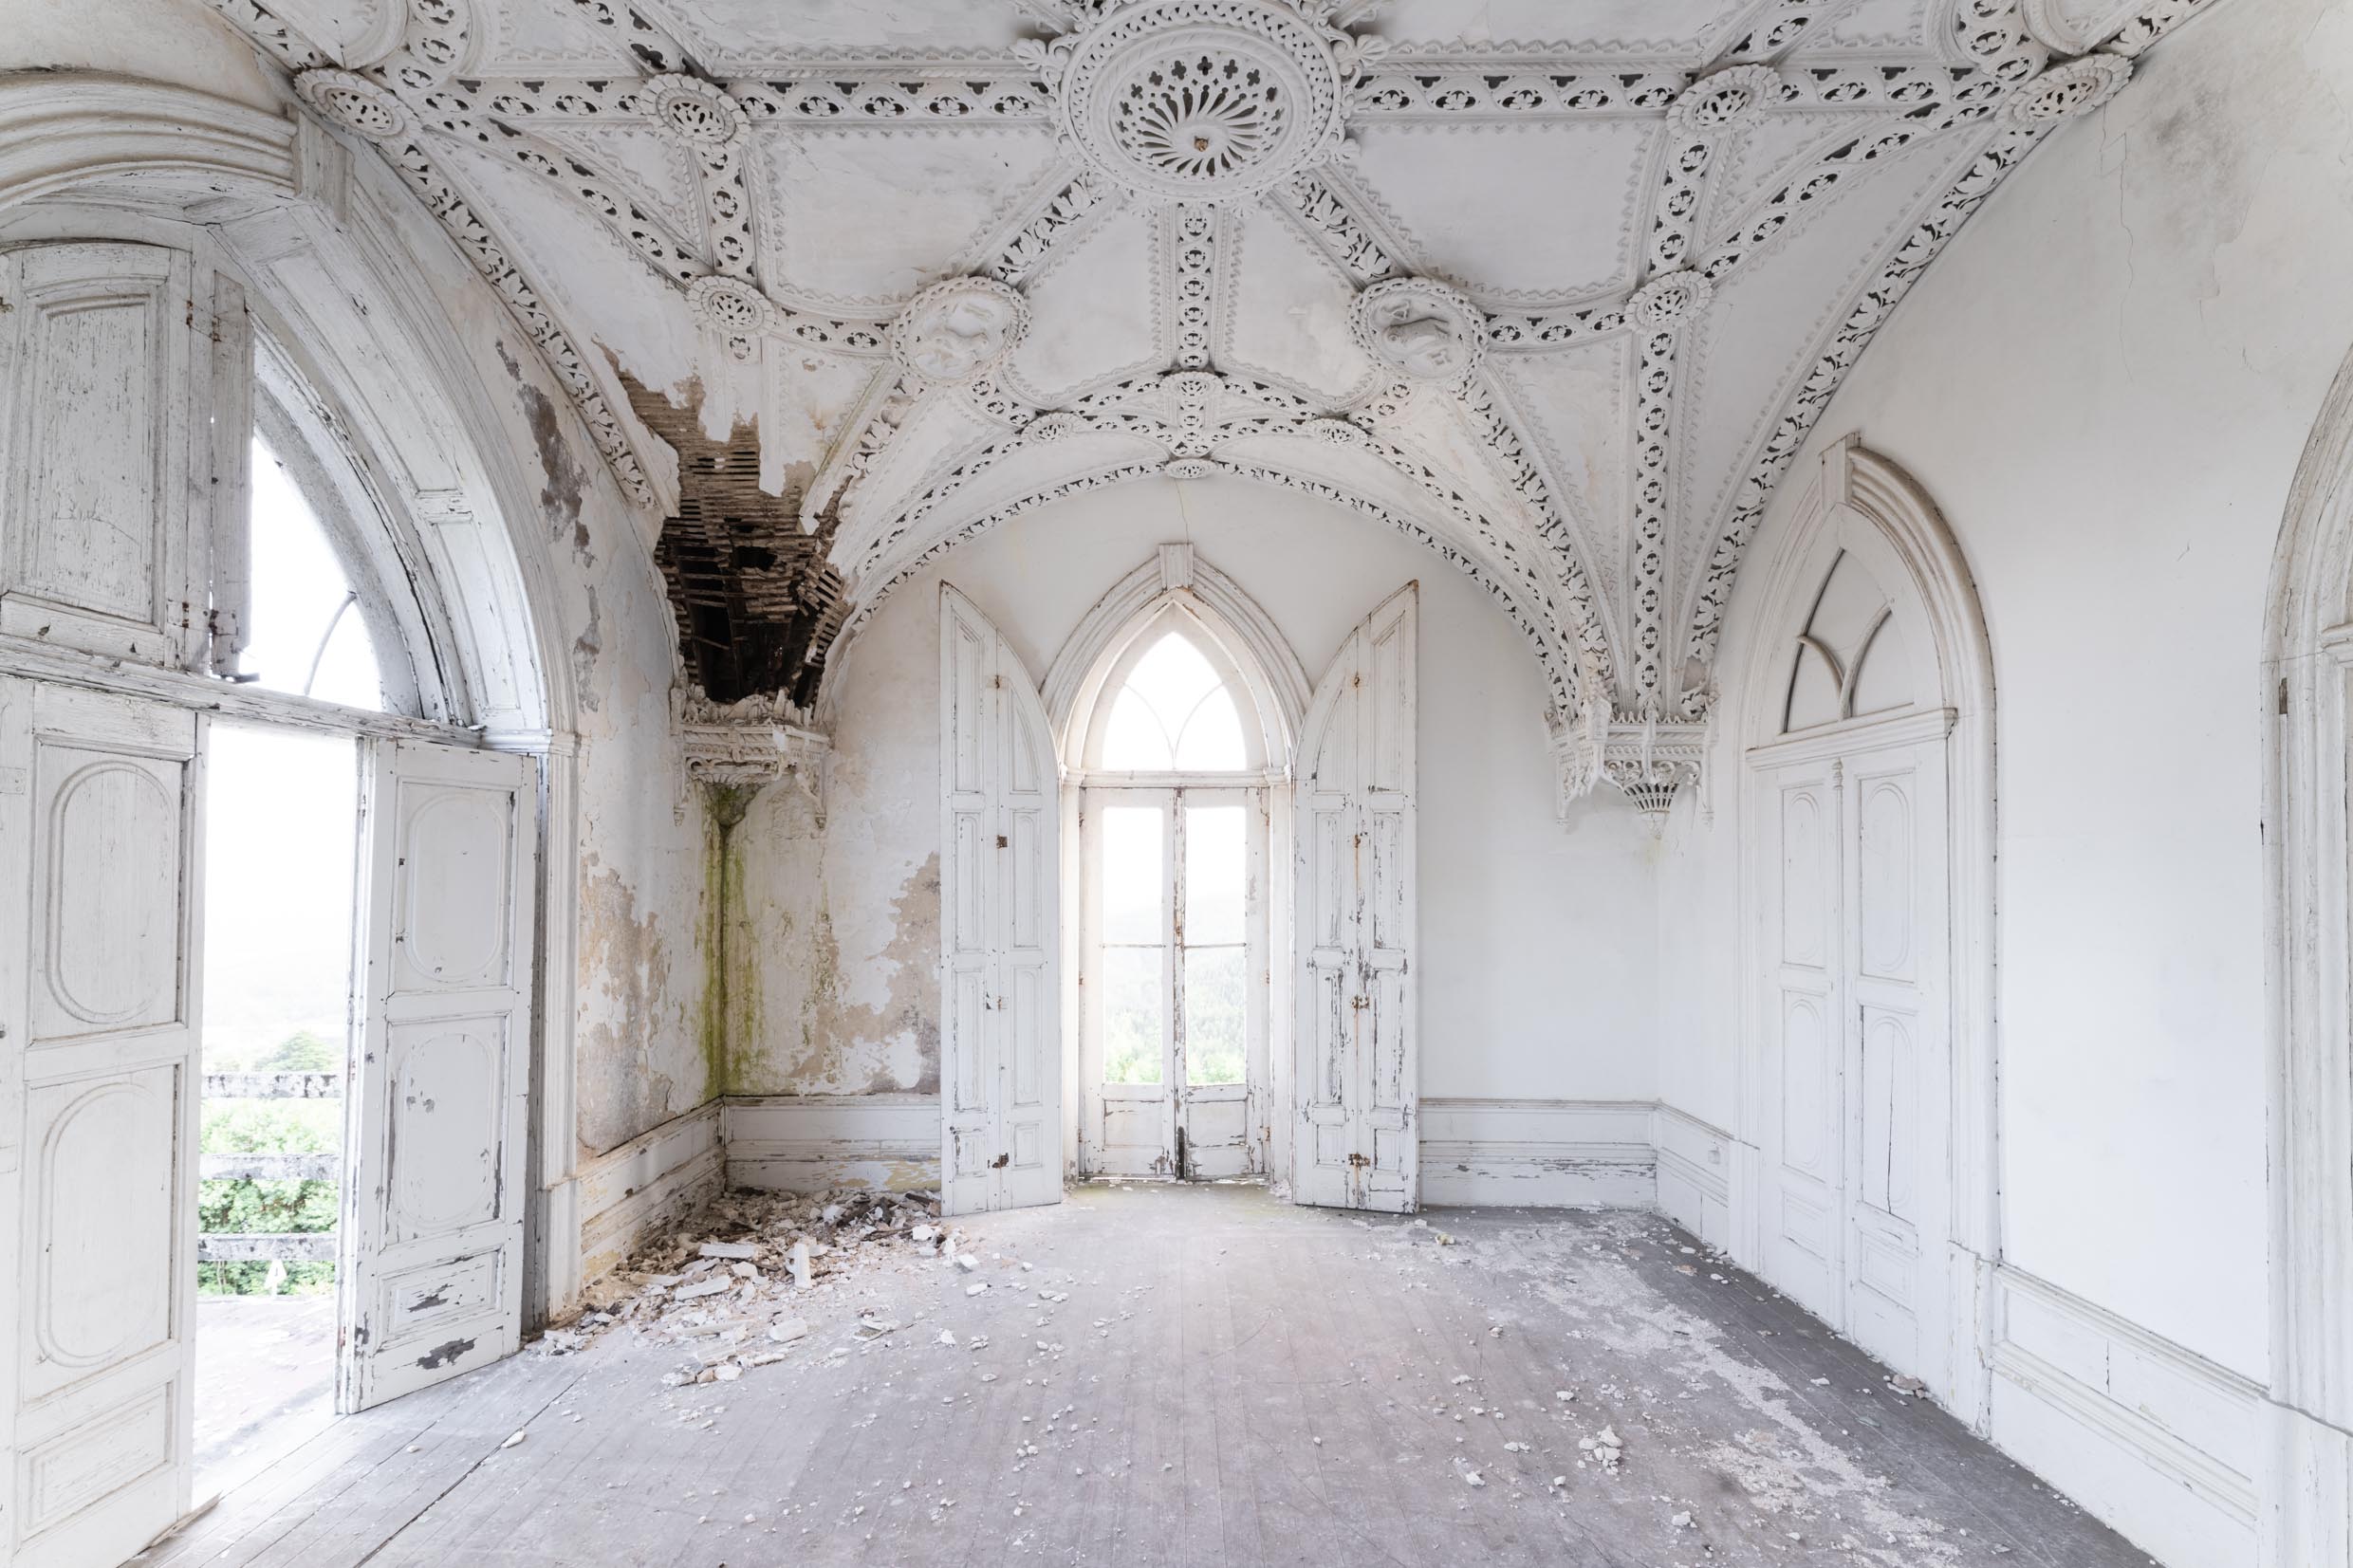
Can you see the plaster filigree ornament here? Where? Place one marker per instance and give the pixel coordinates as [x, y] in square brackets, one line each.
[1427, 331]
[953, 331]
[1723, 102]
[740, 314]
[1670, 297]
[747, 744]
[698, 112]
[2068, 89]
[1058, 426]
[1202, 99]
[355, 102]
[1189, 468]
[1335, 432]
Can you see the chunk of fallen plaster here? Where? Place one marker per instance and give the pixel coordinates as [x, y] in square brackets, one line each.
[511, 1441]
[703, 1287]
[801, 1264]
[967, 1261]
[730, 1249]
[785, 1330]
[975, 1287]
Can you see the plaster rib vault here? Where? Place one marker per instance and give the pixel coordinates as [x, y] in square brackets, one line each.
[1556, 288]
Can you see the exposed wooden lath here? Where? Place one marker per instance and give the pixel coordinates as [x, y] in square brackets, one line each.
[757, 604]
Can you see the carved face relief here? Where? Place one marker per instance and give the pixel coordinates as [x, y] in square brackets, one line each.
[1202, 99]
[1420, 328]
[953, 331]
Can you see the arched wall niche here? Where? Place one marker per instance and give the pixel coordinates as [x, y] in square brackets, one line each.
[1864, 515]
[2307, 699]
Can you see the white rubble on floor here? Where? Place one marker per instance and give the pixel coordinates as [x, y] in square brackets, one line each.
[739, 1282]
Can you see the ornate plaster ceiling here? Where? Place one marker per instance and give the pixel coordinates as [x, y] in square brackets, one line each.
[1558, 285]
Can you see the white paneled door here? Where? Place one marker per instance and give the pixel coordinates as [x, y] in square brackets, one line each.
[1855, 1132]
[432, 1277]
[1000, 1053]
[97, 1113]
[1357, 1079]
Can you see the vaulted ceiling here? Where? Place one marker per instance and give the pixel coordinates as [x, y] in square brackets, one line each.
[1558, 285]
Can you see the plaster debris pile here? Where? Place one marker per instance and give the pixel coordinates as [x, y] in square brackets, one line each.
[744, 1280]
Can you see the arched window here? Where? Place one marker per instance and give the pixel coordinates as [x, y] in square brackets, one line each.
[328, 609]
[1171, 738]
[1175, 702]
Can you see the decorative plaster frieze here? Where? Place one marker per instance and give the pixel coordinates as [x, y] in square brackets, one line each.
[953, 331]
[752, 742]
[1421, 330]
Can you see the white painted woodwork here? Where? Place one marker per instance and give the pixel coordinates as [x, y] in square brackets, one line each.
[99, 796]
[1855, 1013]
[1174, 1127]
[1000, 1053]
[1358, 1081]
[433, 1265]
[99, 359]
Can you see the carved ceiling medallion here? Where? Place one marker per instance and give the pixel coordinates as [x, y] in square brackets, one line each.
[953, 331]
[355, 102]
[700, 112]
[1202, 99]
[2074, 87]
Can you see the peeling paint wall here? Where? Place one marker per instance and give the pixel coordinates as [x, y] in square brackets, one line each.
[2106, 385]
[1537, 967]
[643, 1053]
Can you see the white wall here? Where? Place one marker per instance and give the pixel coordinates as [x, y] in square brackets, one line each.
[1536, 964]
[2104, 385]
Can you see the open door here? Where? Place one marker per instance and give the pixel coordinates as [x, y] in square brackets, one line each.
[1000, 1046]
[433, 1267]
[98, 1115]
[1358, 1078]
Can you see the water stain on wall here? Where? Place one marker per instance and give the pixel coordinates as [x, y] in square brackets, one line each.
[876, 1048]
[624, 966]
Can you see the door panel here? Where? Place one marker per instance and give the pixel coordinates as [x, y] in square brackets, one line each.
[97, 798]
[1000, 821]
[433, 1280]
[1855, 1142]
[1357, 1037]
[1806, 1043]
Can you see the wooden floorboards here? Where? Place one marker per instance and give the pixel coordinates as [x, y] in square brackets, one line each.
[1231, 1381]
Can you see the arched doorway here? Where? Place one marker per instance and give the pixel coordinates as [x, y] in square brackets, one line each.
[1867, 815]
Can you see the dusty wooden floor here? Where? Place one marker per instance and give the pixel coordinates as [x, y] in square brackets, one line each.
[1231, 1381]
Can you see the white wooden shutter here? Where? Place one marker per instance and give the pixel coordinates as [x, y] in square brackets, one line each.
[1359, 1033]
[98, 1115]
[1000, 1053]
[433, 1264]
[1803, 1008]
[102, 349]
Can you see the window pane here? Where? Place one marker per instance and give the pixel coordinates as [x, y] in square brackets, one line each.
[1135, 1015]
[1216, 866]
[1212, 741]
[1134, 739]
[1132, 884]
[1173, 677]
[1214, 979]
[303, 609]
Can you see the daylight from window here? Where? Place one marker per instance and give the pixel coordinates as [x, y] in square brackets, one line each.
[305, 632]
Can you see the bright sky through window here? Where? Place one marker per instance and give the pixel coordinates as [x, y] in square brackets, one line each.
[305, 634]
[1174, 714]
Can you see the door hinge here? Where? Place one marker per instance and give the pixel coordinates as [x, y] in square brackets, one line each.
[1359, 1002]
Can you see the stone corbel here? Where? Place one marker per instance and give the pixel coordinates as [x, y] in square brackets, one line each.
[740, 748]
